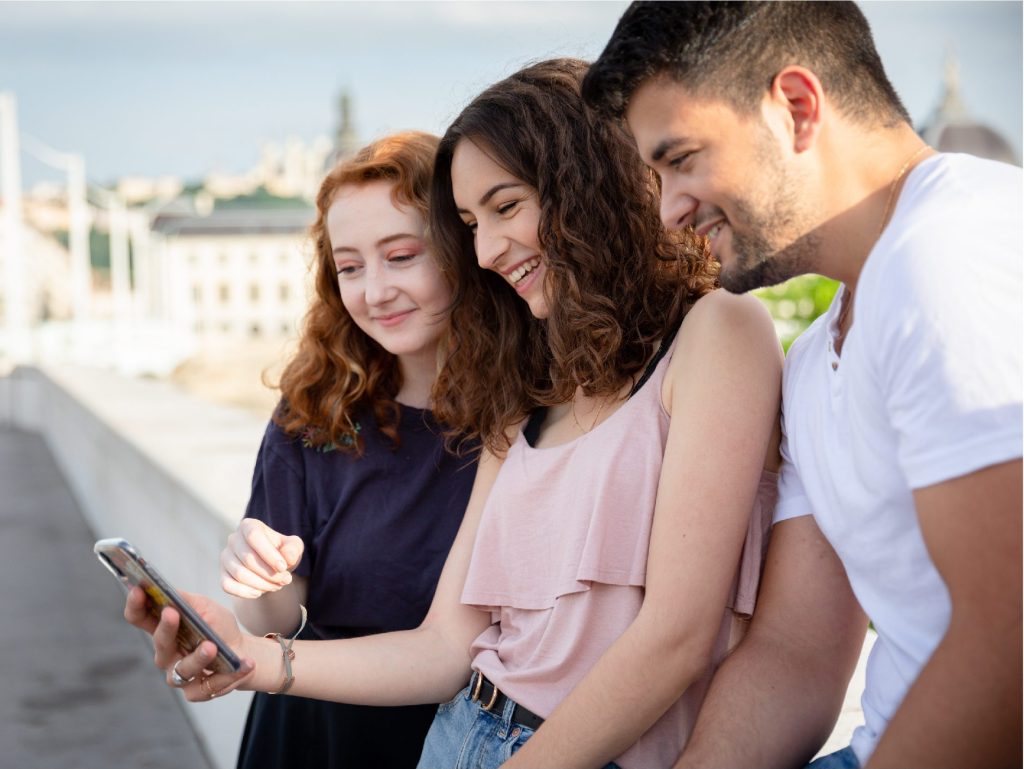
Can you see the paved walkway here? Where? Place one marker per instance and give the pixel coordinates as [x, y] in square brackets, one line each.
[79, 687]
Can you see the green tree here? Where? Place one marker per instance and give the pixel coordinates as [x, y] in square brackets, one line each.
[796, 303]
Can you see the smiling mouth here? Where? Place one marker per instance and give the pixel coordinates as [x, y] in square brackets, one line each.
[392, 318]
[710, 232]
[518, 275]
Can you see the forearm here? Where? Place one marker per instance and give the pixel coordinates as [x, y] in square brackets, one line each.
[775, 699]
[963, 710]
[409, 667]
[276, 612]
[770, 706]
[622, 696]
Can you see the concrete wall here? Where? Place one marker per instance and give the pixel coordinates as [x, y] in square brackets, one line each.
[148, 463]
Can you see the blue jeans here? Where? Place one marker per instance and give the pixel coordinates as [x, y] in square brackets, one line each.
[465, 736]
[841, 759]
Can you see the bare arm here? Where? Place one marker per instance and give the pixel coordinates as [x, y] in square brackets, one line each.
[723, 414]
[775, 699]
[428, 664]
[965, 707]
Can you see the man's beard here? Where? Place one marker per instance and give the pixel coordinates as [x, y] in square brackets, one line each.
[756, 261]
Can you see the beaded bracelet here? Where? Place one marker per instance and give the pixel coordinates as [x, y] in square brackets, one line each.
[287, 654]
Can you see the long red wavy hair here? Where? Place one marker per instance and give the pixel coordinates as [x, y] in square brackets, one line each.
[338, 368]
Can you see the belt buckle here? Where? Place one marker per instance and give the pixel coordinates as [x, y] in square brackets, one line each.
[475, 696]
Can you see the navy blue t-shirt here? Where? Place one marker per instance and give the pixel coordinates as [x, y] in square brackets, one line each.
[377, 528]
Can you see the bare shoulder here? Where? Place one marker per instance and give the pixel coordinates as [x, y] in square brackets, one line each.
[721, 325]
[728, 340]
[722, 314]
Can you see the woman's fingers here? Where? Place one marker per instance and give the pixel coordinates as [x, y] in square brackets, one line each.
[264, 544]
[136, 610]
[291, 549]
[165, 639]
[202, 683]
[254, 582]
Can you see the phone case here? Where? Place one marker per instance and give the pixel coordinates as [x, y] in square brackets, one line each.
[125, 563]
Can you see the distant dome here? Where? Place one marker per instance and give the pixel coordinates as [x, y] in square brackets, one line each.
[951, 129]
[972, 138]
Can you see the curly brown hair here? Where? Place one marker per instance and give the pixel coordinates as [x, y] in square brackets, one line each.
[338, 368]
[617, 281]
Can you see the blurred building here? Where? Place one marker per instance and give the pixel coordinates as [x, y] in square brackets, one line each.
[234, 269]
[951, 128]
[346, 139]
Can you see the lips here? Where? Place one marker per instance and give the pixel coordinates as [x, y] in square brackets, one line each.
[392, 318]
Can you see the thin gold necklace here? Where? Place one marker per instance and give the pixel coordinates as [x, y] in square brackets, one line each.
[893, 186]
[892, 189]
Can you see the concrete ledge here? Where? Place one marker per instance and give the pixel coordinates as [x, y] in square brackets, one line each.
[149, 463]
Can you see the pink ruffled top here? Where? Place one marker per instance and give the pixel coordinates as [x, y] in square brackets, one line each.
[560, 561]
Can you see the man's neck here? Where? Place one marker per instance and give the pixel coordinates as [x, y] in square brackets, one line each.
[862, 175]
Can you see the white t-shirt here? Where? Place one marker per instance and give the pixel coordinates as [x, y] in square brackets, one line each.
[928, 388]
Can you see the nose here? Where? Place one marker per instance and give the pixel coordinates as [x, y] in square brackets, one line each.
[490, 246]
[677, 206]
[380, 288]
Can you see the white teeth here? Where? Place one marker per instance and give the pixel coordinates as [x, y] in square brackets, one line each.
[714, 231]
[522, 271]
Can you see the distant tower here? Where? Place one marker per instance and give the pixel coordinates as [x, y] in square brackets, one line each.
[951, 128]
[345, 139]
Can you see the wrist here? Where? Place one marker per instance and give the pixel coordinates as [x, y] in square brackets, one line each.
[287, 654]
[266, 656]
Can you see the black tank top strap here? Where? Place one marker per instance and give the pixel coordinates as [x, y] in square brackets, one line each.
[666, 342]
[532, 430]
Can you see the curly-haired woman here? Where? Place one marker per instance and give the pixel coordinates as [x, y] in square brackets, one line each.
[353, 491]
[612, 545]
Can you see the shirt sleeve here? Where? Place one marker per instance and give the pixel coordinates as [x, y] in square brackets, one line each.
[278, 496]
[793, 501]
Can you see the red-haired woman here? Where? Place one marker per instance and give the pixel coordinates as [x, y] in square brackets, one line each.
[611, 550]
[354, 501]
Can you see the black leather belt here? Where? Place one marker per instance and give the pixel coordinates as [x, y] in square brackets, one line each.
[492, 700]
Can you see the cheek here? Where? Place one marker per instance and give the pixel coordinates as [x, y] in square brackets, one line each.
[352, 299]
[431, 288]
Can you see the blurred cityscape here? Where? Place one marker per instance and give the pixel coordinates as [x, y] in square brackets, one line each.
[204, 282]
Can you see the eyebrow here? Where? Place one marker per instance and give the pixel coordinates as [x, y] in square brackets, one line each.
[664, 146]
[381, 242]
[492, 192]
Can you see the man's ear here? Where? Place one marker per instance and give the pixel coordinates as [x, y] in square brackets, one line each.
[797, 92]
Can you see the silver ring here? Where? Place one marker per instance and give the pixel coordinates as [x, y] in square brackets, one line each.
[176, 677]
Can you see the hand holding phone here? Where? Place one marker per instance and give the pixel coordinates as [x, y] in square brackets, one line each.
[131, 569]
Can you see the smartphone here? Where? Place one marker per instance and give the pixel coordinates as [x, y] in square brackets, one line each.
[128, 565]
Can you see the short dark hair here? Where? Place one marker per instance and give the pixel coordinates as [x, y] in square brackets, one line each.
[735, 50]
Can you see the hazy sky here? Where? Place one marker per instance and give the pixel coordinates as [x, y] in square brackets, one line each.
[184, 88]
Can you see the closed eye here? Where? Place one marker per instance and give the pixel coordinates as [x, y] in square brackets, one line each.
[679, 160]
[403, 256]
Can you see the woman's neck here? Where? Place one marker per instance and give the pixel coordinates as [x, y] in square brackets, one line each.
[419, 370]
